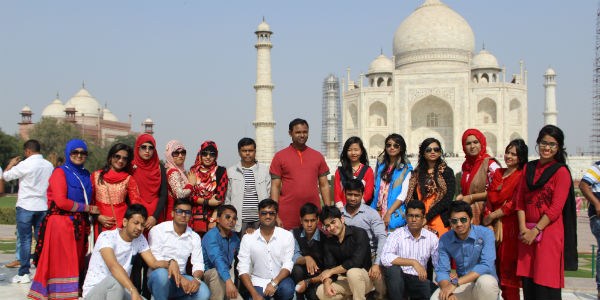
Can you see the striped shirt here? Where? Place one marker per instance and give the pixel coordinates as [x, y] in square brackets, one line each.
[250, 206]
[592, 177]
[401, 243]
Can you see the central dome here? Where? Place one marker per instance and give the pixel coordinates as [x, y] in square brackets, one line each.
[433, 25]
[85, 104]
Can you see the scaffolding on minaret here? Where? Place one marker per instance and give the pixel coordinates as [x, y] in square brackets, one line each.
[595, 138]
[331, 130]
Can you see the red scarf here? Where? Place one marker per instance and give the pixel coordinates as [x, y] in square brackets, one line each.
[114, 177]
[146, 172]
[502, 189]
[472, 163]
[207, 179]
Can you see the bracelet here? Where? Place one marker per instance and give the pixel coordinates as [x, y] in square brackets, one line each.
[306, 282]
[538, 229]
[471, 198]
[170, 260]
[131, 289]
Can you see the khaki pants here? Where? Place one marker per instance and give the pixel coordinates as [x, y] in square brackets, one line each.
[484, 288]
[355, 285]
[215, 284]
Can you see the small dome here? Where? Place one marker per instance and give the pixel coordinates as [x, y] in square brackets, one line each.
[550, 72]
[56, 109]
[26, 108]
[381, 64]
[85, 104]
[148, 120]
[263, 27]
[109, 116]
[484, 60]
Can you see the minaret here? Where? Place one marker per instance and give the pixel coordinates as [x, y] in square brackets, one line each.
[26, 124]
[331, 123]
[550, 113]
[264, 123]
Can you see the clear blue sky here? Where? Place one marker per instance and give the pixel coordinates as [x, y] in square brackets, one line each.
[191, 65]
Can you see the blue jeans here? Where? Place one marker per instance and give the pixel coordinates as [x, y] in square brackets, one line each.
[162, 287]
[27, 219]
[595, 227]
[18, 248]
[285, 291]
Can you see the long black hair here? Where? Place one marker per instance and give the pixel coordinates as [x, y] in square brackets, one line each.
[113, 150]
[559, 136]
[386, 161]
[423, 166]
[522, 151]
[345, 161]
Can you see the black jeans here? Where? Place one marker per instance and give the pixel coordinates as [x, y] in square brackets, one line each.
[534, 291]
[400, 285]
[299, 273]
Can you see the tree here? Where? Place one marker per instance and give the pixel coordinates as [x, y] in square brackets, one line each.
[127, 140]
[54, 135]
[10, 146]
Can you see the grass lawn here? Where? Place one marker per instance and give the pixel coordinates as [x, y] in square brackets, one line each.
[7, 247]
[7, 201]
[585, 267]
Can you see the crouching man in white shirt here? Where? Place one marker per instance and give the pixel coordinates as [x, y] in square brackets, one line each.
[175, 240]
[110, 266]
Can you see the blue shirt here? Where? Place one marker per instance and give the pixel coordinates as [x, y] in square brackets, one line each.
[476, 253]
[297, 253]
[219, 251]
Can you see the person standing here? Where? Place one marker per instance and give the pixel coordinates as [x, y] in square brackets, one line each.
[63, 239]
[499, 213]
[295, 170]
[248, 182]
[266, 258]
[33, 174]
[354, 164]
[308, 253]
[477, 172]
[547, 219]
[180, 184]
[590, 188]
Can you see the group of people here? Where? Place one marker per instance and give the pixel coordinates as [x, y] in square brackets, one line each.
[163, 231]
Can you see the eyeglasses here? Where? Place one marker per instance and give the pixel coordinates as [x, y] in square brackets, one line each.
[434, 149]
[227, 217]
[119, 157]
[551, 145]
[77, 152]
[270, 213]
[394, 145]
[463, 220]
[178, 153]
[208, 153]
[409, 216]
[180, 212]
[147, 147]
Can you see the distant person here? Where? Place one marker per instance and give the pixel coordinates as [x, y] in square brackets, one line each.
[472, 247]
[1, 183]
[590, 188]
[295, 172]
[308, 253]
[111, 261]
[354, 164]
[33, 174]
[477, 172]
[248, 182]
[113, 188]
[180, 183]
[210, 188]
[63, 238]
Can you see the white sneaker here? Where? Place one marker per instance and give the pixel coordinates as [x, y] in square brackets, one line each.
[21, 279]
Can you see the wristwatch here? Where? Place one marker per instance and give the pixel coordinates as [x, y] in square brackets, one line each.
[454, 282]
[273, 284]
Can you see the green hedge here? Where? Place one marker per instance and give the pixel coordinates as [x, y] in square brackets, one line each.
[8, 215]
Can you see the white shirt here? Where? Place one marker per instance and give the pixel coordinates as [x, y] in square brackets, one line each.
[124, 251]
[166, 244]
[401, 243]
[263, 261]
[33, 174]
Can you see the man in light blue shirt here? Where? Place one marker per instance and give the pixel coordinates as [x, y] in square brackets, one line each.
[473, 249]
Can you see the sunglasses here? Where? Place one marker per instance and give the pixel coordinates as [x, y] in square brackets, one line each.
[178, 153]
[208, 153]
[227, 217]
[463, 220]
[394, 145]
[147, 147]
[270, 213]
[180, 212]
[434, 149]
[551, 145]
[119, 157]
[76, 152]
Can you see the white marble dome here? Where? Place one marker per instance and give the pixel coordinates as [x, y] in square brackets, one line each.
[56, 109]
[433, 25]
[263, 27]
[484, 60]
[109, 116]
[84, 103]
[26, 108]
[381, 64]
[550, 72]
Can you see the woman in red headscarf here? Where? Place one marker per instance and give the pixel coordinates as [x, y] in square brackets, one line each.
[477, 172]
[209, 190]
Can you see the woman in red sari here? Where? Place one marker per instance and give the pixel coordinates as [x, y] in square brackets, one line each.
[500, 208]
[180, 184]
[477, 172]
[63, 236]
[113, 189]
[209, 190]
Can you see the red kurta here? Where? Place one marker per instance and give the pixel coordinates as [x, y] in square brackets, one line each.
[500, 196]
[544, 261]
[368, 181]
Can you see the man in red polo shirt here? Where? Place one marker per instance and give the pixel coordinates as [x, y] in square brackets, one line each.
[296, 172]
